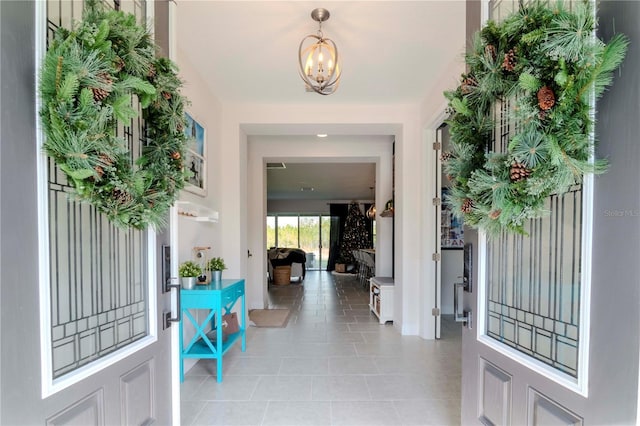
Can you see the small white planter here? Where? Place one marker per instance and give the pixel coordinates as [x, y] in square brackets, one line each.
[188, 282]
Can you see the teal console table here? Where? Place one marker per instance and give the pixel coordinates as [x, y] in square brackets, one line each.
[218, 298]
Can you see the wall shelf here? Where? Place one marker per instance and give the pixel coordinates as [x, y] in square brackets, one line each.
[196, 212]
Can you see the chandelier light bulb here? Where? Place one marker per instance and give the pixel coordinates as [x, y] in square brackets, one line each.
[309, 66]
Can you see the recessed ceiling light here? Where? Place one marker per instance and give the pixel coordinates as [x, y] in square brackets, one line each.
[307, 188]
[321, 135]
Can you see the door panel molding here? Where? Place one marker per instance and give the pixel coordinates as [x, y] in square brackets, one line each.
[137, 395]
[495, 394]
[543, 411]
[88, 411]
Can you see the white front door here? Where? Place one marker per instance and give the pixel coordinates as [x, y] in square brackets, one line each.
[82, 340]
[554, 336]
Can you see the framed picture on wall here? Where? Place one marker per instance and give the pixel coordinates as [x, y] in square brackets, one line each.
[451, 228]
[195, 161]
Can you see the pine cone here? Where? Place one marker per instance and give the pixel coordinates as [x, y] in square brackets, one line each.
[166, 95]
[99, 171]
[542, 115]
[490, 51]
[466, 206]
[519, 172]
[495, 214]
[104, 159]
[99, 93]
[468, 84]
[149, 198]
[152, 71]
[122, 197]
[119, 64]
[510, 60]
[176, 155]
[445, 156]
[546, 98]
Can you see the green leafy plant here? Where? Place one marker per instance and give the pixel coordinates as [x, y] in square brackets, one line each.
[216, 264]
[542, 67]
[99, 73]
[189, 269]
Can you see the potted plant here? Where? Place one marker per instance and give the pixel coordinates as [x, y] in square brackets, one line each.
[188, 272]
[216, 266]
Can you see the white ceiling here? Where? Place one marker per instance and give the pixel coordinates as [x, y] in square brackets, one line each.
[391, 52]
[336, 181]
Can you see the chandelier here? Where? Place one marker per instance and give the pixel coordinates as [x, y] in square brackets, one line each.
[318, 59]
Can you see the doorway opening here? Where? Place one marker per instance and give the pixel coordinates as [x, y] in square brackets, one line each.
[450, 243]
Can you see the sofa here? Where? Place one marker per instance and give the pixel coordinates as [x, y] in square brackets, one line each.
[294, 257]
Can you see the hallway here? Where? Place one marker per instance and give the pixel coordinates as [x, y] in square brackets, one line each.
[333, 364]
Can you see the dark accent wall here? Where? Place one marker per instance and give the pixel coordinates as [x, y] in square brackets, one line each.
[615, 293]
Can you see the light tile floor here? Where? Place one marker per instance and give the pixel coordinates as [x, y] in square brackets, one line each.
[332, 365]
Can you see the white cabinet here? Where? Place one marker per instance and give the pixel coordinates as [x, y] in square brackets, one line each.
[381, 298]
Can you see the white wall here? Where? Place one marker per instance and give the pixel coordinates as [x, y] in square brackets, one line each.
[298, 206]
[310, 206]
[205, 108]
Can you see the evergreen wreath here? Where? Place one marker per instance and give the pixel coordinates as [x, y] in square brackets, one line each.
[545, 67]
[90, 80]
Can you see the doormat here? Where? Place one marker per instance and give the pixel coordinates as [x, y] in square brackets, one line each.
[276, 318]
